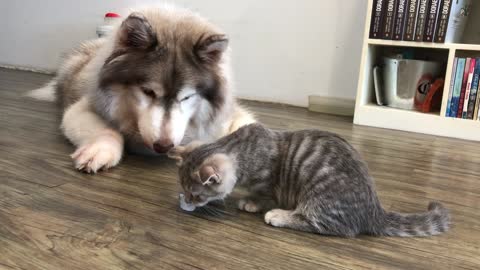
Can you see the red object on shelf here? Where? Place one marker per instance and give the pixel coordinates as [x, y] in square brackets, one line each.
[429, 94]
[112, 15]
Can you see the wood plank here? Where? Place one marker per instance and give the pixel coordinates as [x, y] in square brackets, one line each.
[53, 217]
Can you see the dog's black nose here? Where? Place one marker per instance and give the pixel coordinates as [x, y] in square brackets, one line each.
[162, 146]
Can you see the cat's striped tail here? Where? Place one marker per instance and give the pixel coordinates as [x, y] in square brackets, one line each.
[435, 221]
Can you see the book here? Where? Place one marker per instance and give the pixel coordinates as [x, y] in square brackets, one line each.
[474, 91]
[399, 23]
[376, 21]
[388, 19]
[410, 20]
[464, 87]
[431, 21]
[452, 84]
[457, 20]
[476, 116]
[477, 105]
[458, 87]
[468, 88]
[421, 19]
[442, 23]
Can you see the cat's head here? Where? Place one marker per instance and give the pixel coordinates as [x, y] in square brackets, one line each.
[204, 178]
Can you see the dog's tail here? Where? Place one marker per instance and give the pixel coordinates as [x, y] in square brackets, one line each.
[45, 93]
[435, 221]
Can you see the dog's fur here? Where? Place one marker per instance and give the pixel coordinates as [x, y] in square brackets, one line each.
[163, 75]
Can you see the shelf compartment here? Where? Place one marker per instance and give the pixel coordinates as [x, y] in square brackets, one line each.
[374, 55]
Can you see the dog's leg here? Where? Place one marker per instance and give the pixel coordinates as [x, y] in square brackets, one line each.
[99, 146]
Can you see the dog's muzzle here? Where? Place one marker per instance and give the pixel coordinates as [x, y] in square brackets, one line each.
[162, 146]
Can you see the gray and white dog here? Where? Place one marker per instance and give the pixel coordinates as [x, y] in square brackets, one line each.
[162, 75]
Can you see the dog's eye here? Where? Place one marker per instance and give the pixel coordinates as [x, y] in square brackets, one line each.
[148, 92]
[186, 98]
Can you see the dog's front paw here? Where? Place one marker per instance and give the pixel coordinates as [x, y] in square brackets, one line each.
[277, 217]
[248, 206]
[103, 152]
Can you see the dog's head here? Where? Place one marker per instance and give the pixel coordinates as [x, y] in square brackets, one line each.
[166, 71]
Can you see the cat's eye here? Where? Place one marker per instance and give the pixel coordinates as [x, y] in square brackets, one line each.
[148, 92]
[187, 98]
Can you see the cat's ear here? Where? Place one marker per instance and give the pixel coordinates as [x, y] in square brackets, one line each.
[178, 154]
[210, 48]
[208, 175]
[136, 33]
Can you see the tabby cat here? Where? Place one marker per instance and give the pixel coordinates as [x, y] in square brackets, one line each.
[307, 180]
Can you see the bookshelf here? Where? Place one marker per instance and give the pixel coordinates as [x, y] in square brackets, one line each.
[368, 113]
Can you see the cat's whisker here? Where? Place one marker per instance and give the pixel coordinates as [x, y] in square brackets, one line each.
[208, 211]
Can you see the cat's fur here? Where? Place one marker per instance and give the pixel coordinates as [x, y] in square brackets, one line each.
[307, 180]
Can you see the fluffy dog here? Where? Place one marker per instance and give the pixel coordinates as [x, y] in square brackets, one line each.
[161, 76]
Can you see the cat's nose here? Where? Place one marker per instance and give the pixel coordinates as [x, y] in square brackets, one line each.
[163, 145]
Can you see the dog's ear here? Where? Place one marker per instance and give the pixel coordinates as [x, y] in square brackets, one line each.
[136, 33]
[211, 48]
[208, 176]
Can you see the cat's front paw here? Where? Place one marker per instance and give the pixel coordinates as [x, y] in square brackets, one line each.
[248, 206]
[184, 205]
[277, 217]
[103, 152]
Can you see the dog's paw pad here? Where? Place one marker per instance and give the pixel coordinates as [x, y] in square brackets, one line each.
[248, 206]
[277, 217]
[104, 152]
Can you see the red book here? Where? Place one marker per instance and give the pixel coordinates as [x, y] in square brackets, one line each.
[468, 89]
[464, 88]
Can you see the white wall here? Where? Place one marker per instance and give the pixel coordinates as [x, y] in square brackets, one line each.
[283, 50]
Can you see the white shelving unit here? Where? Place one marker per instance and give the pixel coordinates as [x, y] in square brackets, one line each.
[368, 113]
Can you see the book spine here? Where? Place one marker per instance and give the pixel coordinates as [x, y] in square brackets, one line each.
[399, 24]
[411, 19]
[474, 90]
[452, 84]
[464, 88]
[468, 88]
[457, 20]
[477, 104]
[389, 19]
[421, 19]
[377, 18]
[442, 24]
[475, 113]
[430, 23]
[458, 87]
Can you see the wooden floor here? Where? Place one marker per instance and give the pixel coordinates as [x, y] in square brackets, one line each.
[53, 217]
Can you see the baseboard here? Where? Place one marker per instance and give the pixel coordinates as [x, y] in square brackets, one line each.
[36, 70]
[331, 105]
